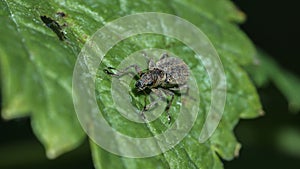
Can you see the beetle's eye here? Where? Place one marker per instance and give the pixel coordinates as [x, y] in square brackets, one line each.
[138, 84]
[141, 74]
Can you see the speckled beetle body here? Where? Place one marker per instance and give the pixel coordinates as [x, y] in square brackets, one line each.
[163, 77]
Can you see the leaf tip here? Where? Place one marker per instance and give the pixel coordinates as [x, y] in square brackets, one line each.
[55, 149]
[261, 112]
[5, 115]
[8, 114]
[237, 150]
[52, 154]
[241, 15]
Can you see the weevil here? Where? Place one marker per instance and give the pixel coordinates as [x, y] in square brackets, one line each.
[167, 75]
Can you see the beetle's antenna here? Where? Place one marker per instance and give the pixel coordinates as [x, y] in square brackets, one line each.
[109, 72]
[124, 71]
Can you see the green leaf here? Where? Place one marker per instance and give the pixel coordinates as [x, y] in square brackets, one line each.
[220, 10]
[225, 36]
[267, 70]
[242, 101]
[36, 78]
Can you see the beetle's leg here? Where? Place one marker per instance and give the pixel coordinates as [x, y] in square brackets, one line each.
[144, 109]
[124, 71]
[145, 55]
[183, 89]
[164, 55]
[160, 93]
[170, 93]
[157, 92]
[151, 63]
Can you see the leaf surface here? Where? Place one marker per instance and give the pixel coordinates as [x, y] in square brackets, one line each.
[36, 78]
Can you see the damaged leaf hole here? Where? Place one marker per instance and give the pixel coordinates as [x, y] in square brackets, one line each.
[55, 26]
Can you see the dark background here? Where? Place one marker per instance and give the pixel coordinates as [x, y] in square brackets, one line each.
[274, 27]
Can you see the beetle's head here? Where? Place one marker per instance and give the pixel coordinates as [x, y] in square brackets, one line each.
[150, 79]
[146, 81]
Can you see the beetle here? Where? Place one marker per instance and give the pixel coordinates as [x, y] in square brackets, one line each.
[167, 75]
